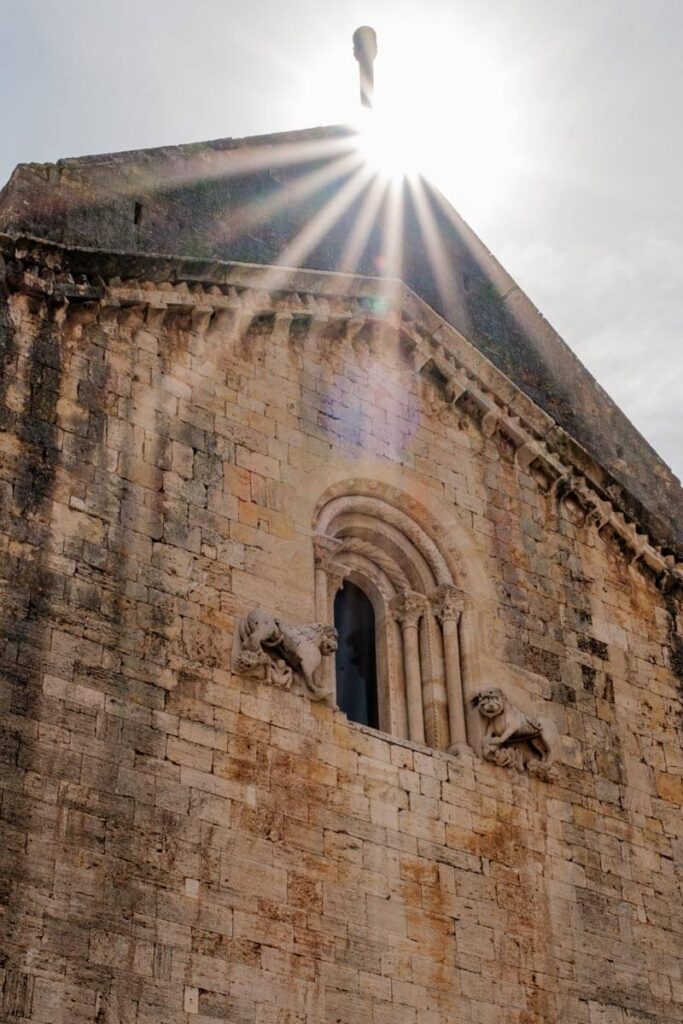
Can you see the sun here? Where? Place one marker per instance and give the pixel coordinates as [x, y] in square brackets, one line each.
[387, 146]
[445, 115]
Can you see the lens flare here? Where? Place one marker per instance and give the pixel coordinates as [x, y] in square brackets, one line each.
[387, 147]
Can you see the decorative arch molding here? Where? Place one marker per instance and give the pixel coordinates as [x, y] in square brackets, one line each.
[401, 529]
[384, 567]
[401, 566]
[404, 490]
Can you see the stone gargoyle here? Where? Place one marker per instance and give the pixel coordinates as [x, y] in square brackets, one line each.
[513, 737]
[265, 648]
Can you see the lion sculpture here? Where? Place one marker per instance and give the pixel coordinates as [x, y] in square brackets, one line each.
[268, 649]
[513, 737]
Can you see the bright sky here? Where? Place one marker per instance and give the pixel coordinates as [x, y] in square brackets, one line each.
[553, 126]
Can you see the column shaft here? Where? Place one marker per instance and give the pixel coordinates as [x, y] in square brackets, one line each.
[411, 661]
[321, 599]
[456, 703]
[329, 575]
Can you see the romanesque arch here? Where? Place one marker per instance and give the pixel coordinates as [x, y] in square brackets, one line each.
[383, 549]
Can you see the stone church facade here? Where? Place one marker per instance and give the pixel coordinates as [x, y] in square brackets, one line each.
[202, 453]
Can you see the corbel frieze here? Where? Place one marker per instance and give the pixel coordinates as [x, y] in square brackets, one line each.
[458, 382]
[488, 404]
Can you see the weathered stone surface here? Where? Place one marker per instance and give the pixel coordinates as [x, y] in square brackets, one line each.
[251, 199]
[183, 842]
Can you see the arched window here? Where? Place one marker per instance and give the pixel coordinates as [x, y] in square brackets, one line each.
[356, 660]
[384, 582]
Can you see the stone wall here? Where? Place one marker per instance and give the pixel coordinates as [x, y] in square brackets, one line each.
[297, 198]
[181, 844]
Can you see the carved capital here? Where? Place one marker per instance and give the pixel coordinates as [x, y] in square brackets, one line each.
[336, 574]
[447, 602]
[324, 550]
[408, 607]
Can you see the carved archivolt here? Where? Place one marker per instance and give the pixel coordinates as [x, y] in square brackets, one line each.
[391, 547]
[386, 514]
[368, 571]
[371, 554]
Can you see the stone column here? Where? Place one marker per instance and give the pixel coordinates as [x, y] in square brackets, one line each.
[329, 576]
[324, 550]
[408, 608]
[447, 602]
[336, 573]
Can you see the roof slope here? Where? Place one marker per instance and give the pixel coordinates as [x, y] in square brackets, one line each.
[255, 200]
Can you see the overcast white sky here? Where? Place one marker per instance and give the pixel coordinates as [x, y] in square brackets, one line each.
[554, 127]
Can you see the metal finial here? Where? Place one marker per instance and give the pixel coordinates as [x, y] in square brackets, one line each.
[365, 51]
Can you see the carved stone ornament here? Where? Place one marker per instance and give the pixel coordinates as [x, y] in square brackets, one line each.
[447, 602]
[324, 549]
[513, 738]
[265, 648]
[408, 607]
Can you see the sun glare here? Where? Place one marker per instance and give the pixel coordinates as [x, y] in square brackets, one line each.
[444, 115]
[386, 145]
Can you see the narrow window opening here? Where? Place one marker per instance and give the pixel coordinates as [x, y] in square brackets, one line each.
[356, 658]
[137, 213]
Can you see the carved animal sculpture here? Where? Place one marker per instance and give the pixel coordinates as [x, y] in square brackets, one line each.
[259, 629]
[302, 648]
[507, 728]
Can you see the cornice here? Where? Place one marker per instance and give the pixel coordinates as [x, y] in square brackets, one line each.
[441, 355]
[466, 380]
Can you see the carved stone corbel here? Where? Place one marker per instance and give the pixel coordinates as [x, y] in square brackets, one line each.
[200, 317]
[267, 649]
[316, 325]
[354, 328]
[281, 325]
[599, 514]
[156, 313]
[526, 454]
[561, 486]
[512, 737]
[455, 388]
[490, 421]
